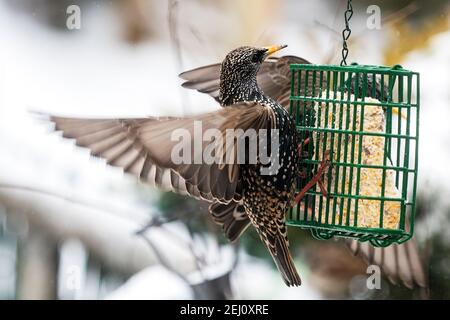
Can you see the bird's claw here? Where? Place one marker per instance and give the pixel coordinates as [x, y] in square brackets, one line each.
[316, 179]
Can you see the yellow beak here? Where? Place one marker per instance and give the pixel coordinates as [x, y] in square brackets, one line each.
[273, 49]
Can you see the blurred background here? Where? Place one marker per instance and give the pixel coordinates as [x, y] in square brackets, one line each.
[73, 228]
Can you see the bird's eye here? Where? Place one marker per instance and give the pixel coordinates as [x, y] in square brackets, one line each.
[257, 57]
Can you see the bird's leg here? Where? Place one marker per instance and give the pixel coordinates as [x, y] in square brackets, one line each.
[301, 149]
[302, 144]
[317, 178]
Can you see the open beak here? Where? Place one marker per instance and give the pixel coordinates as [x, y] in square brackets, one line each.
[273, 49]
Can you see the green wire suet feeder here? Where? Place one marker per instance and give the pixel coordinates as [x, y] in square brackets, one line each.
[365, 121]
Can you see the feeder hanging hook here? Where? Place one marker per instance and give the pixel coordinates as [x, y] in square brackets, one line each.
[346, 32]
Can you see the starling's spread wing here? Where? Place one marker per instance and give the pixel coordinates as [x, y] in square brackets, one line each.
[204, 79]
[116, 141]
[274, 78]
[145, 147]
[399, 262]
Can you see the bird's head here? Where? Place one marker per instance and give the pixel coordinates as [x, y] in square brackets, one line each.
[238, 72]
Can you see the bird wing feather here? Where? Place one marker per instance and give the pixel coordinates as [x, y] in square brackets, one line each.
[143, 147]
[274, 79]
[399, 262]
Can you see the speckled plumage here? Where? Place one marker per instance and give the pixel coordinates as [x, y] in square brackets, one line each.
[265, 197]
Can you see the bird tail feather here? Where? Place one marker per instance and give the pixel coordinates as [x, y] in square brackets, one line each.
[283, 260]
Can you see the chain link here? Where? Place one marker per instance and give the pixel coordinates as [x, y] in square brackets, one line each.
[346, 32]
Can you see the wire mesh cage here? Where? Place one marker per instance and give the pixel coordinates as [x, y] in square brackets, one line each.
[364, 121]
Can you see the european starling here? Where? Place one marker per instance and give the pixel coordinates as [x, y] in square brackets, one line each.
[254, 90]
[239, 193]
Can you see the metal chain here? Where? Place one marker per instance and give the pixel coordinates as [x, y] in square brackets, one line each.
[346, 32]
